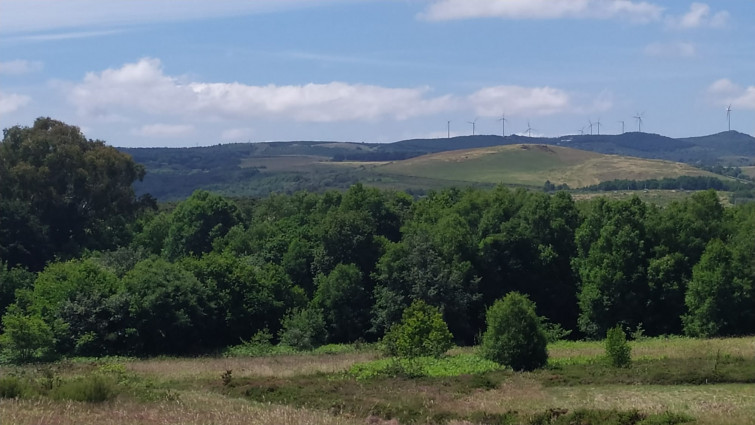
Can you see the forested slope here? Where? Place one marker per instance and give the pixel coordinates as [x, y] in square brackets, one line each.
[341, 266]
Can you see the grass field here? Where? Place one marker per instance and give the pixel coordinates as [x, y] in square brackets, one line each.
[671, 380]
[532, 165]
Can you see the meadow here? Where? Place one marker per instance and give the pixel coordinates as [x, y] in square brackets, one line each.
[671, 380]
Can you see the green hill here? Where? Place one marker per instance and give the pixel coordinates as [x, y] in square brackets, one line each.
[532, 165]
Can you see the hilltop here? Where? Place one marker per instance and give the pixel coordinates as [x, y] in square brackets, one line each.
[254, 169]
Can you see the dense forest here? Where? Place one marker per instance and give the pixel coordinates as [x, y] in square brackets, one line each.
[90, 269]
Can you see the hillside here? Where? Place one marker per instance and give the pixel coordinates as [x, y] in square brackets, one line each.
[255, 169]
[532, 165]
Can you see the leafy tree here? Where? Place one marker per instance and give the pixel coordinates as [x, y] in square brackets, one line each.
[26, 337]
[514, 335]
[170, 309]
[303, 329]
[716, 296]
[344, 303]
[618, 350]
[421, 332]
[12, 280]
[612, 263]
[197, 222]
[78, 192]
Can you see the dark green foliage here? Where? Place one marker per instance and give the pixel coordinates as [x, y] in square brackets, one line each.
[345, 304]
[514, 336]
[171, 311]
[303, 329]
[61, 193]
[12, 280]
[719, 296]
[421, 332]
[618, 351]
[12, 387]
[197, 222]
[612, 261]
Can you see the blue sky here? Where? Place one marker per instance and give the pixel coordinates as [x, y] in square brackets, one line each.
[190, 72]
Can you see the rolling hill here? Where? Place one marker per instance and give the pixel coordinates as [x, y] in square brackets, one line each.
[255, 169]
[532, 165]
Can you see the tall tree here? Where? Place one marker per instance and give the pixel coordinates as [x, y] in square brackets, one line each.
[78, 192]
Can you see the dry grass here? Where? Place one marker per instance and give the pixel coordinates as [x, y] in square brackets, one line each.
[710, 405]
[192, 408]
[658, 348]
[274, 366]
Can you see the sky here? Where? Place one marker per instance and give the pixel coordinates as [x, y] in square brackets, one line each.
[184, 73]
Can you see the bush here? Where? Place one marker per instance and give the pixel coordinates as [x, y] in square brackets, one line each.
[26, 337]
[618, 351]
[514, 334]
[303, 329]
[421, 333]
[92, 389]
[12, 387]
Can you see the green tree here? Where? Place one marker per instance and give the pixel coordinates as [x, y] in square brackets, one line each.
[26, 337]
[197, 222]
[421, 332]
[78, 191]
[303, 329]
[170, 309]
[12, 280]
[345, 304]
[618, 350]
[717, 298]
[514, 334]
[612, 261]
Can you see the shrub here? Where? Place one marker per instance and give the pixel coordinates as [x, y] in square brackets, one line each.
[421, 332]
[11, 387]
[617, 347]
[26, 337]
[303, 329]
[91, 388]
[514, 334]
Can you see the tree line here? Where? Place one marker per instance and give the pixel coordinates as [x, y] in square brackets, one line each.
[341, 266]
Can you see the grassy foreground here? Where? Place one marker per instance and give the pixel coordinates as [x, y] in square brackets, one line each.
[674, 380]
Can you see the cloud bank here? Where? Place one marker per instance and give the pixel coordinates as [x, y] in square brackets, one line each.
[144, 88]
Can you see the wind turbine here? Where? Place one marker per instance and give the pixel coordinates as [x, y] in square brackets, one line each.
[529, 129]
[582, 131]
[503, 124]
[448, 129]
[473, 125]
[638, 117]
[728, 115]
[590, 126]
[622, 127]
[598, 124]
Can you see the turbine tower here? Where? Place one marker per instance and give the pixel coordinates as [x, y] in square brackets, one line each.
[622, 127]
[638, 117]
[590, 126]
[448, 129]
[728, 115]
[503, 125]
[582, 131]
[529, 129]
[598, 124]
[473, 125]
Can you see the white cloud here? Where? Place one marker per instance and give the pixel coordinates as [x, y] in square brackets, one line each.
[164, 130]
[50, 15]
[11, 102]
[19, 67]
[635, 11]
[671, 50]
[143, 87]
[725, 92]
[698, 16]
[491, 101]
